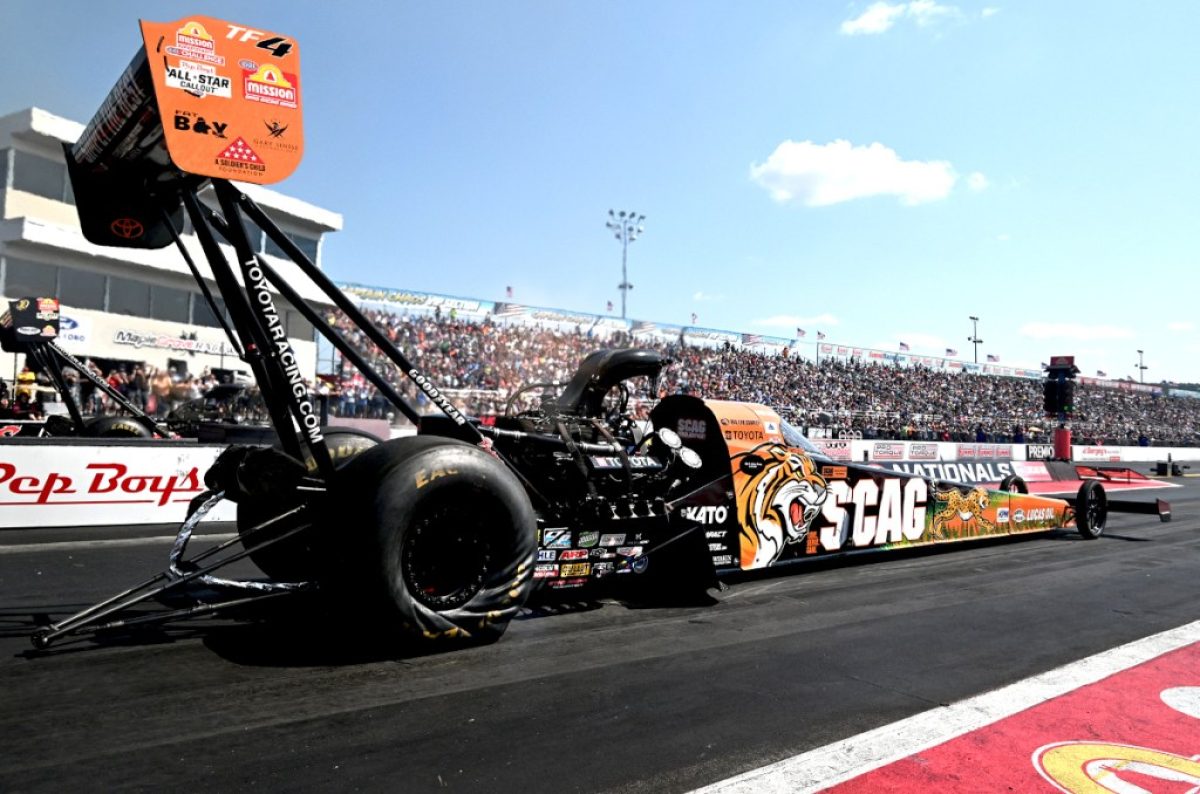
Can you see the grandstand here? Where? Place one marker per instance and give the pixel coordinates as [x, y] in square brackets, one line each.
[480, 351]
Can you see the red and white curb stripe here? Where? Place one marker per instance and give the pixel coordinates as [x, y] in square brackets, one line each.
[844, 760]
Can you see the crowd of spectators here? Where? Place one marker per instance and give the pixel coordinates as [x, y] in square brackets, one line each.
[480, 363]
[156, 391]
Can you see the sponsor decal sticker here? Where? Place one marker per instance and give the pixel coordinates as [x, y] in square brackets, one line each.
[922, 452]
[577, 569]
[588, 539]
[834, 472]
[602, 569]
[693, 429]
[556, 538]
[752, 464]
[885, 451]
[198, 79]
[546, 555]
[573, 554]
[706, 514]
[545, 571]
[629, 551]
[612, 540]
[967, 451]
[270, 85]
[837, 449]
[1039, 452]
[238, 156]
[1002, 515]
[1018, 516]
[192, 41]
[722, 559]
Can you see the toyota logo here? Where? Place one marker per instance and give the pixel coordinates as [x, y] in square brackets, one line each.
[128, 228]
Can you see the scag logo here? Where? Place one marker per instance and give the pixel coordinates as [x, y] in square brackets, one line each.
[867, 514]
[691, 428]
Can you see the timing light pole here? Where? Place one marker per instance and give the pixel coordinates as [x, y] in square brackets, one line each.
[625, 226]
[974, 337]
[1141, 368]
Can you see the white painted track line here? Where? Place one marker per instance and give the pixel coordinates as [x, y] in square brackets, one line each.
[838, 762]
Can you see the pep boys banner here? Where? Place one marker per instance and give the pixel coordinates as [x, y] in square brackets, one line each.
[91, 485]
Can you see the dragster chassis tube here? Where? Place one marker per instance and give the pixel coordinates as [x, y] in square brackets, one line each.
[346, 305]
[554, 441]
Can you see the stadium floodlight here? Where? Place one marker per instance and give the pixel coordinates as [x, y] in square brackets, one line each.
[626, 227]
[974, 337]
[1141, 368]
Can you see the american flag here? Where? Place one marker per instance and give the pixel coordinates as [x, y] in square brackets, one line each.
[1101, 373]
[751, 339]
[820, 335]
[800, 333]
[951, 351]
[993, 359]
[609, 307]
[903, 347]
[508, 292]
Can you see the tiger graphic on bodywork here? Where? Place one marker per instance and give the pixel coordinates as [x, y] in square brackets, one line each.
[776, 505]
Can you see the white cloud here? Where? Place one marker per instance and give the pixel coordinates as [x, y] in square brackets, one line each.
[990, 11]
[1004, 237]
[927, 12]
[1074, 331]
[882, 16]
[791, 321]
[1185, 325]
[817, 175]
[876, 19]
[702, 296]
[977, 181]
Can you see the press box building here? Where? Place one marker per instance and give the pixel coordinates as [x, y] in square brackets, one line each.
[123, 305]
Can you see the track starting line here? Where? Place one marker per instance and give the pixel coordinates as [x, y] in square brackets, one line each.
[1125, 721]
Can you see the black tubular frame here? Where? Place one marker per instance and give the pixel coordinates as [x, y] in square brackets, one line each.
[256, 330]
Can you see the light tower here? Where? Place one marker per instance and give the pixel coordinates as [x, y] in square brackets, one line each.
[625, 226]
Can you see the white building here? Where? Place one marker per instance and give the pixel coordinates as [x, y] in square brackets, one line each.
[119, 305]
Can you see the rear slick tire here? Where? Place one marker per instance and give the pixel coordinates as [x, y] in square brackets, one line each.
[444, 538]
[297, 559]
[1091, 510]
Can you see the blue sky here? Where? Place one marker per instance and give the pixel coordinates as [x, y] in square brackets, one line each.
[875, 171]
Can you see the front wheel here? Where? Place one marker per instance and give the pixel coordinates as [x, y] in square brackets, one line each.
[444, 537]
[1014, 484]
[1091, 510]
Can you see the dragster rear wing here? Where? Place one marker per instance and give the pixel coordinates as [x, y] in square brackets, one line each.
[201, 98]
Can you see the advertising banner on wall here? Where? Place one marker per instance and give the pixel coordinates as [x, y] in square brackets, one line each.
[56, 485]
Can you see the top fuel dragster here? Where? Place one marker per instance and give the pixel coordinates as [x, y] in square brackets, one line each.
[448, 533]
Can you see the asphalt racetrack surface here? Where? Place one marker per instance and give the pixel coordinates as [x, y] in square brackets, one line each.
[597, 696]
